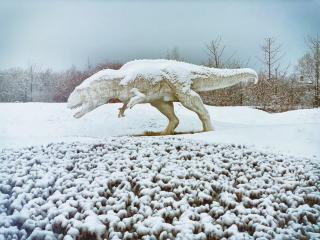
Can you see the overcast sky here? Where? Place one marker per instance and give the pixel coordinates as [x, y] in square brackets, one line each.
[59, 34]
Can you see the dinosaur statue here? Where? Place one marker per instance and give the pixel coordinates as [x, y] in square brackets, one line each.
[158, 82]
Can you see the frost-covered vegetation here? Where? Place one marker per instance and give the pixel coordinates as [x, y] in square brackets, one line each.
[157, 188]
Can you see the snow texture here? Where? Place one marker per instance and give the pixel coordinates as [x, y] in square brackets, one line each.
[156, 188]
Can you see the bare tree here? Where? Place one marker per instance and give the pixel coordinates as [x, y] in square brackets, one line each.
[314, 45]
[31, 74]
[304, 68]
[108, 65]
[89, 64]
[174, 54]
[272, 55]
[215, 50]
[216, 53]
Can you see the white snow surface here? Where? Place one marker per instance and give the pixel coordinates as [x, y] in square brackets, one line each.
[154, 70]
[157, 188]
[294, 132]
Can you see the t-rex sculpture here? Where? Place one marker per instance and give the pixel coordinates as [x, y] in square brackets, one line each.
[158, 82]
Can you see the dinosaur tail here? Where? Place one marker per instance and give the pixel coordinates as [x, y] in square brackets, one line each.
[222, 78]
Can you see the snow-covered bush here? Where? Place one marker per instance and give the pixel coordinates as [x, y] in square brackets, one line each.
[156, 188]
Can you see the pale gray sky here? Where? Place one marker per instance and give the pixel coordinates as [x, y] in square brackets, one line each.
[58, 34]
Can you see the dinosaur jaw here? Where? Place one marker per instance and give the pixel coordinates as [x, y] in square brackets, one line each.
[78, 111]
[78, 104]
[80, 108]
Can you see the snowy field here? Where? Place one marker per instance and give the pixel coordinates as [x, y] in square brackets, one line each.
[257, 176]
[295, 132]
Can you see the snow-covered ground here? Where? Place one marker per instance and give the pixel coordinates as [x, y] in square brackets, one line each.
[187, 186]
[295, 132]
[157, 188]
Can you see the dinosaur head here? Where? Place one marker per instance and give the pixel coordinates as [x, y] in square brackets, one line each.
[81, 102]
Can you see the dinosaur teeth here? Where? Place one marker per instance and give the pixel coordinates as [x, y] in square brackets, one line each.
[74, 106]
[77, 110]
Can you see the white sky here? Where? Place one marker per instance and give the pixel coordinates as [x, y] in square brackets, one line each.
[58, 34]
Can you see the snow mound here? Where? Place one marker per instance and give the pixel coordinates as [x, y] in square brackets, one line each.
[155, 70]
[156, 188]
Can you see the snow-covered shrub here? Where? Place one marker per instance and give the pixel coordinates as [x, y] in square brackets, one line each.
[156, 188]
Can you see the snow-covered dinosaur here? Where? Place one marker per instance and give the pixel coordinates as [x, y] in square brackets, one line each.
[158, 82]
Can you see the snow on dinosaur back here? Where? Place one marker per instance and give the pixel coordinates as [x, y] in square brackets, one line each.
[158, 82]
[155, 70]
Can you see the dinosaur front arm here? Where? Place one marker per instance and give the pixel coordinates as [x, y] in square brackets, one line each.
[137, 97]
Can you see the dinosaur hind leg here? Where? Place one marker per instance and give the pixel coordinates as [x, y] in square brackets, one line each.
[193, 102]
[167, 109]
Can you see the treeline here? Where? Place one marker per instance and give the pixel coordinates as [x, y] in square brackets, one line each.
[272, 96]
[37, 85]
[277, 90]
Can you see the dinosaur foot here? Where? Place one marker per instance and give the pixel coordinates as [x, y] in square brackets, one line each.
[122, 110]
[121, 113]
[167, 131]
[208, 127]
